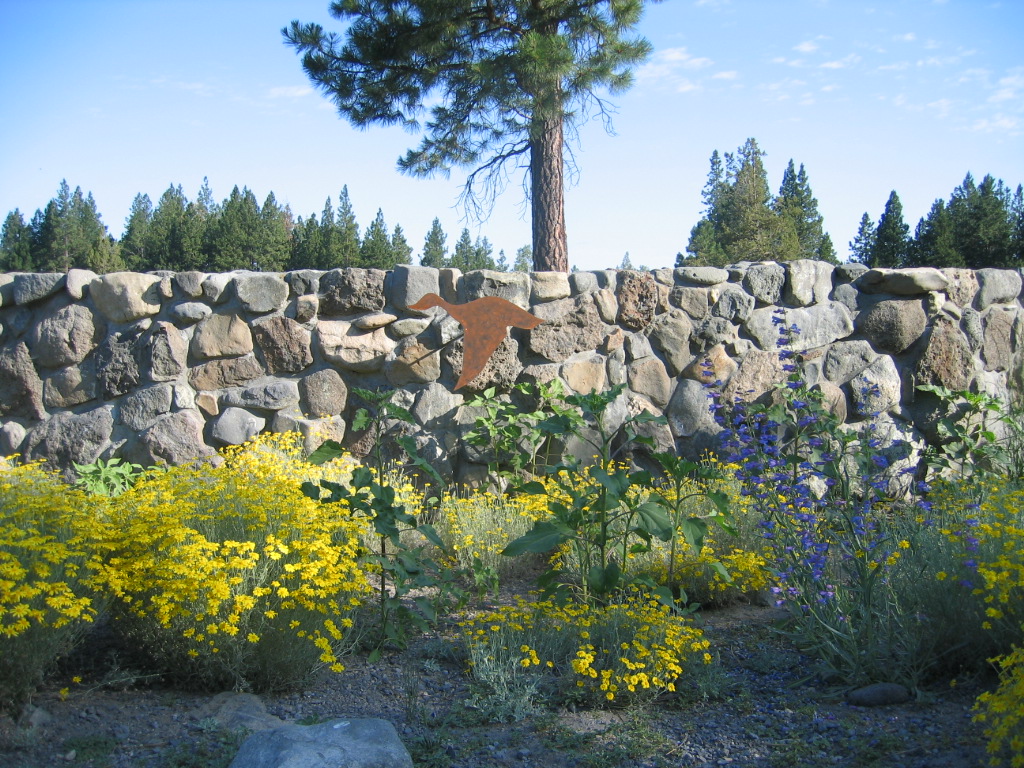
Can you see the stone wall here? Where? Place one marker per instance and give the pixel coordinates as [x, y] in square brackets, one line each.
[170, 366]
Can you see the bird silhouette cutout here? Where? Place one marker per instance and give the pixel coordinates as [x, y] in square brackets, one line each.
[485, 321]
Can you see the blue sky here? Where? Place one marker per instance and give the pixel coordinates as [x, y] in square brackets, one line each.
[122, 97]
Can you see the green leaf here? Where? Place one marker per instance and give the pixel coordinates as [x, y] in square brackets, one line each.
[361, 420]
[328, 451]
[533, 488]
[409, 446]
[694, 531]
[656, 520]
[665, 597]
[604, 580]
[722, 571]
[543, 537]
[431, 535]
[426, 608]
[720, 500]
[397, 412]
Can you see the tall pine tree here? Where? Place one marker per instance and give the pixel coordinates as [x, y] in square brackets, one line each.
[892, 237]
[500, 81]
[863, 242]
[375, 251]
[435, 254]
[16, 244]
[934, 244]
[235, 237]
[401, 251]
[135, 241]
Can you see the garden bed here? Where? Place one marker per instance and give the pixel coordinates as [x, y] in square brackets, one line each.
[752, 710]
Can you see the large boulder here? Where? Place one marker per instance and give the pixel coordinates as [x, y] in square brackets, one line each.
[410, 283]
[33, 286]
[261, 292]
[996, 286]
[903, 282]
[671, 333]
[68, 438]
[228, 372]
[286, 345]
[764, 281]
[344, 345]
[119, 363]
[512, 286]
[141, 408]
[124, 297]
[323, 393]
[222, 336]
[65, 337]
[637, 295]
[351, 290]
[351, 743]
[570, 326]
[502, 369]
[412, 362]
[549, 286]
[175, 438]
[21, 389]
[819, 325]
[808, 282]
[946, 359]
[166, 351]
[235, 426]
[71, 386]
[269, 395]
[893, 325]
[999, 340]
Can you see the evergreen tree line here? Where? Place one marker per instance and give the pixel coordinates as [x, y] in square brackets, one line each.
[743, 221]
[178, 234]
[982, 225]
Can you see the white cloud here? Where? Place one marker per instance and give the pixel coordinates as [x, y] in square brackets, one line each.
[289, 92]
[731, 74]
[808, 46]
[1009, 87]
[941, 107]
[667, 67]
[896, 66]
[997, 124]
[908, 37]
[842, 63]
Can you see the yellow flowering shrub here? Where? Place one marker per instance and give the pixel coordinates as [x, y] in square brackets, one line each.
[1002, 712]
[741, 555]
[477, 526]
[631, 649]
[230, 575]
[46, 538]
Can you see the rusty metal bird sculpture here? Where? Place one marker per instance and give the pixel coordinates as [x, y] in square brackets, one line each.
[485, 321]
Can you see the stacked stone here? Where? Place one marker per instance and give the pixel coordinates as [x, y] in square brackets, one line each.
[170, 366]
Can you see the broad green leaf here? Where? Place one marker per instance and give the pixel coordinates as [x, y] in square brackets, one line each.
[694, 531]
[328, 451]
[426, 607]
[431, 535]
[720, 500]
[656, 520]
[543, 537]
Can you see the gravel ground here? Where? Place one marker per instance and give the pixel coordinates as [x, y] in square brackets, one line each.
[760, 715]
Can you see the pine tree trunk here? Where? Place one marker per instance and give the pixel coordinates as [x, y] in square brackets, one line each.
[547, 188]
